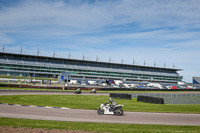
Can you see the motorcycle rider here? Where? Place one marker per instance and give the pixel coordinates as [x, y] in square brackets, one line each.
[78, 90]
[113, 103]
[93, 91]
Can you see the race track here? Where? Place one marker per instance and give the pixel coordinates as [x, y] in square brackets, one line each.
[41, 113]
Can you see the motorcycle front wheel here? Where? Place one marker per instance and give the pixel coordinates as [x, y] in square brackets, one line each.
[118, 112]
[100, 111]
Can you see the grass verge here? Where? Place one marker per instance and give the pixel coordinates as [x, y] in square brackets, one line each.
[98, 127]
[93, 102]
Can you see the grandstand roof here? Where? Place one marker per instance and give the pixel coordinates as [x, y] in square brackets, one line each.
[196, 80]
[85, 61]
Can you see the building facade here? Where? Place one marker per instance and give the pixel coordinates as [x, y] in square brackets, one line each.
[196, 80]
[43, 66]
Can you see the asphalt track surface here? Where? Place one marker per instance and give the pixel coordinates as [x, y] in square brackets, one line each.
[92, 116]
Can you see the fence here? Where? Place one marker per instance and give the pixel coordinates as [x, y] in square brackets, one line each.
[173, 98]
[181, 100]
[167, 95]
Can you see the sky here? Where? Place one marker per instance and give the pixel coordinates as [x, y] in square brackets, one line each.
[164, 33]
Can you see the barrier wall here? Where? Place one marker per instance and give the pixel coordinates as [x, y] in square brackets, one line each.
[149, 99]
[120, 95]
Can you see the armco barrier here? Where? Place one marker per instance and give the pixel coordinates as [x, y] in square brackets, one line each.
[149, 99]
[120, 95]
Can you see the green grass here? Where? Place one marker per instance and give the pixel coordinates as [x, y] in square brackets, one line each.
[70, 101]
[98, 127]
[93, 102]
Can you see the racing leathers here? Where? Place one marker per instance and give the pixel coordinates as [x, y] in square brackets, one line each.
[113, 103]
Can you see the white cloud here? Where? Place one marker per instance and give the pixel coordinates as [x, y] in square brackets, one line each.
[97, 15]
[160, 31]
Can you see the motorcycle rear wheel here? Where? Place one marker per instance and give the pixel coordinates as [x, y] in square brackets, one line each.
[118, 112]
[100, 111]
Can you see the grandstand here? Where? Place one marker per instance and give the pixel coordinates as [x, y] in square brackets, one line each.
[43, 66]
[196, 80]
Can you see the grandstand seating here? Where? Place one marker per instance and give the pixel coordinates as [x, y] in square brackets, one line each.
[87, 69]
[3, 60]
[29, 62]
[59, 65]
[82, 67]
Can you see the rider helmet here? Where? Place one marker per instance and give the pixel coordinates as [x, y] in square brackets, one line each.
[110, 99]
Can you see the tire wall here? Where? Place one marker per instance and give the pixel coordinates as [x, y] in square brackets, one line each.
[149, 99]
[120, 95]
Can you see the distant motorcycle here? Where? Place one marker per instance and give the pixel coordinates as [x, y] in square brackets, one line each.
[93, 91]
[78, 91]
[107, 109]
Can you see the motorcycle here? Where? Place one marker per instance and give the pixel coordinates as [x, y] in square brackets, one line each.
[93, 91]
[107, 109]
[77, 92]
